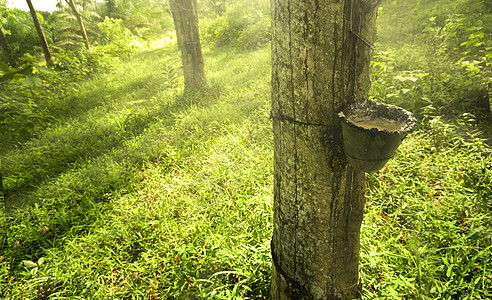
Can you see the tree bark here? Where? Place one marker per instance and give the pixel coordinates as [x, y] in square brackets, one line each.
[81, 24]
[186, 24]
[320, 62]
[42, 38]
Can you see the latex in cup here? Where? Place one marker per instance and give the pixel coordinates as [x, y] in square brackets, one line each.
[372, 132]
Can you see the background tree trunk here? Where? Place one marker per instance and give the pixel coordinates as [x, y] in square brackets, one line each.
[81, 24]
[186, 24]
[42, 38]
[320, 62]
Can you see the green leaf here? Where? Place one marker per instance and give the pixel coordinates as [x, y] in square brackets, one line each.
[29, 264]
[44, 70]
[26, 71]
[32, 81]
[449, 271]
[479, 35]
[4, 67]
[10, 75]
[40, 18]
[469, 42]
[41, 261]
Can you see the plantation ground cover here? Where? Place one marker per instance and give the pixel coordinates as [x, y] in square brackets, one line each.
[139, 190]
[105, 179]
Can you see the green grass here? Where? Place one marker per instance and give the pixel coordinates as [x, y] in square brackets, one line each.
[144, 190]
[135, 189]
[426, 234]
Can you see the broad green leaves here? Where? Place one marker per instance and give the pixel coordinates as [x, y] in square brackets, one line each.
[33, 266]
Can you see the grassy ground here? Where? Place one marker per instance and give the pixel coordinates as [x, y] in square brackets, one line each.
[142, 191]
[426, 233]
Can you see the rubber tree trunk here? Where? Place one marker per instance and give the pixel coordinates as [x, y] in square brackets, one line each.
[186, 24]
[320, 62]
[42, 38]
[81, 24]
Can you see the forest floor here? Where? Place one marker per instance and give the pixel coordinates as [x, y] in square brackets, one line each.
[139, 190]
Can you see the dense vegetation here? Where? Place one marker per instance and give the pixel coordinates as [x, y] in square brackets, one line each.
[132, 188]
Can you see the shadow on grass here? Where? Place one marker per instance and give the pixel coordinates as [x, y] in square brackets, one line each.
[75, 170]
[89, 125]
[68, 193]
[69, 148]
[101, 95]
[63, 99]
